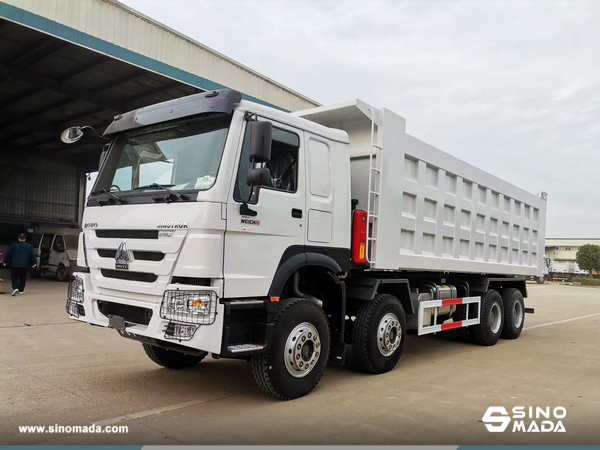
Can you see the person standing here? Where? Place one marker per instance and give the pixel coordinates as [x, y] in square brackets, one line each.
[20, 257]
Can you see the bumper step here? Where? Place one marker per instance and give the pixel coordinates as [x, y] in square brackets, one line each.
[245, 348]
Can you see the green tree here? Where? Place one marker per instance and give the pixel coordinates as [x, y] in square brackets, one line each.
[588, 258]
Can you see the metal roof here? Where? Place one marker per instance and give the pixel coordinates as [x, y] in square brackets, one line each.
[48, 84]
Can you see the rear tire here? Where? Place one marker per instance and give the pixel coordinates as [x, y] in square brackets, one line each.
[62, 273]
[379, 334]
[514, 313]
[172, 359]
[491, 319]
[300, 340]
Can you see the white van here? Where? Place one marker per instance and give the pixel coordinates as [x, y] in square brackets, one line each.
[56, 251]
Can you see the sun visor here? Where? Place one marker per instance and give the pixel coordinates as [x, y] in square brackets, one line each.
[221, 101]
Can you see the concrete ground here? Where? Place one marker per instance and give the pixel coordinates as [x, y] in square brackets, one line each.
[56, 371]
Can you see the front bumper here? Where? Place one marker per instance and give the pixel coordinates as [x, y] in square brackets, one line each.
[206, 338]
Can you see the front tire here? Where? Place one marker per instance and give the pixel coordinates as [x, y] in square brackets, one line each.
[514, 313]
[379, 334]
[172, 359]
[299, 351]
[540, 280]
[491, 319]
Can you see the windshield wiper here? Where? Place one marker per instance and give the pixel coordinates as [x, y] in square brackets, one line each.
[110, 194]
[165, 187]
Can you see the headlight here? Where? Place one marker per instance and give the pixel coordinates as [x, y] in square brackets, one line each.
[195, 307]
[76, 290]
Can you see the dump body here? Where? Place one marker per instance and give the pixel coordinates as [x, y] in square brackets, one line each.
[430, 210]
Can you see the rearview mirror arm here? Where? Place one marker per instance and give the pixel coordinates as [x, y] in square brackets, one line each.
[87, 127]
[244, 209]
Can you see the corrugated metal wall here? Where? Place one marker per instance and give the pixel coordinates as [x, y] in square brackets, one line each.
[33, 188]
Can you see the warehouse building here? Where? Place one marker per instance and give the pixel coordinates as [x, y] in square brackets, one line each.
[66, 63]
[565, 250]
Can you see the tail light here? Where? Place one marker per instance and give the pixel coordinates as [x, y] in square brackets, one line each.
[359, 236]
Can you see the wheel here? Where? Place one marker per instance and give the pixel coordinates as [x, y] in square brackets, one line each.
[540, 280]
[299, 351]
[172, 359]
[491, 319]
[514, 313]
[464, 334]
[62, 273]
[379, 334]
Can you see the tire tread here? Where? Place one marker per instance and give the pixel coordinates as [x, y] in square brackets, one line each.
[479, 331]
[260, 361]
[506, 299]
[360, 333]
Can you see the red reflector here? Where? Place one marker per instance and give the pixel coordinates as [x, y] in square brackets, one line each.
[359, 237]
[452, 301]
[452, 325]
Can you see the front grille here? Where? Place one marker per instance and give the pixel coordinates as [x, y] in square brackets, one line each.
[127, 234]
[129, 276]
[133, 314]
[137, 254]
[192, 281]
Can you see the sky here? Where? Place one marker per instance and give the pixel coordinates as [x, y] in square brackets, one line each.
[512, 87]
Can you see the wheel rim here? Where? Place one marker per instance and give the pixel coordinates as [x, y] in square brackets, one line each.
[302, 350]
[517, 314]
[389, 334]
[495, 318]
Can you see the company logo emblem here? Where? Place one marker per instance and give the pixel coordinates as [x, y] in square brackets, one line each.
[538, 420]
[251, 222]
[503, 419]
[123, 257]
[167, 225]
[90, 225]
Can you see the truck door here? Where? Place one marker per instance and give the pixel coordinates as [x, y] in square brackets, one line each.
[254, 245]
[36, 240]
[45, 251]
[57, 253]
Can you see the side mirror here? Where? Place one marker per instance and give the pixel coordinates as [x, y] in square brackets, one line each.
[261, 134]
[258, 177]
[71, 135]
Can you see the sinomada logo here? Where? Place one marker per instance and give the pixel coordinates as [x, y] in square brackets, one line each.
[525, 419]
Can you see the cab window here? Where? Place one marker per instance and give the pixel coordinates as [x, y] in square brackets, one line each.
[59, 244]
[283, 166]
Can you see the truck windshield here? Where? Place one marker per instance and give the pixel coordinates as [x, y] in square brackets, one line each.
[181, 155]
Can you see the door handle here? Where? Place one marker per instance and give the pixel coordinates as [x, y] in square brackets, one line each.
[297, 213]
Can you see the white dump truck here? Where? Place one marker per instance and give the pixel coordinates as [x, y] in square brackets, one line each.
[218, 225]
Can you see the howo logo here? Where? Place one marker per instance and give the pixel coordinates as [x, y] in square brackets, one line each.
[542, 420]
[123, 257]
